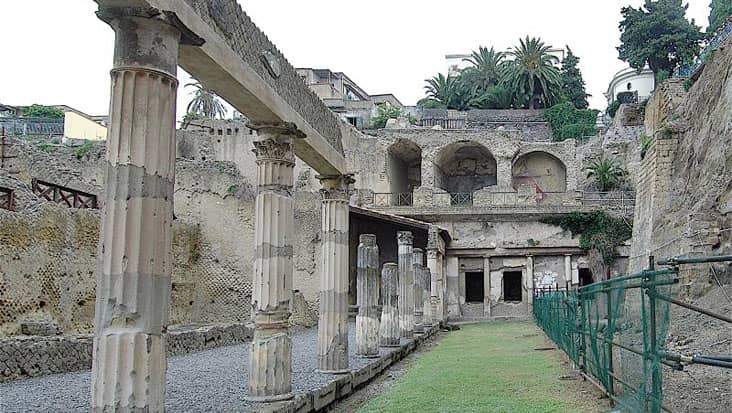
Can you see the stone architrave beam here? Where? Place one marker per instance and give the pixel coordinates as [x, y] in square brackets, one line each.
[333, 315]
[389, 328]
[270, 360]
[367, 295]
[419, 289]
[241, 65]
[406, 284]
[133, 278]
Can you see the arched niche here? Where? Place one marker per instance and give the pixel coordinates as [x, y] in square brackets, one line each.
[464, 167]
[542, 169]
[404, 166]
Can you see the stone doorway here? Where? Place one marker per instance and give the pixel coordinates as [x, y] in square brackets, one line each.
[474, 287]
[585, 277]
[512, 291]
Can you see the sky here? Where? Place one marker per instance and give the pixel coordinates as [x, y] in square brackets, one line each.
[58, 52]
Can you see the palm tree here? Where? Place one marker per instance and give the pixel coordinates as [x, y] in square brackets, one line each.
[446, 92]
[205, 102]
[495, 97]
[532, 72]
[487, 67]
[608, 173]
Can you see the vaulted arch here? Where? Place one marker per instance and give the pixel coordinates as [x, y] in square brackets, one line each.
[404, 166]
[542, 169]
[464, 167]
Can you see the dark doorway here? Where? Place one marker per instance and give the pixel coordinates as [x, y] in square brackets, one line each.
[512, 286]
[474, 287]
[585, 276]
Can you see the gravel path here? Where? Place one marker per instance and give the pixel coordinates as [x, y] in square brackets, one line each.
[207, 381]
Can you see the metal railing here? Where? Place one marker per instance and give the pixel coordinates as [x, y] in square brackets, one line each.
[32, 126]
[623, 201]
[388, 199]
[688, 69]
[616, 331]
[443, 123]
[7, 199]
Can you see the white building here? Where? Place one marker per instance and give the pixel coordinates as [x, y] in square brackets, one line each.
[641, 84]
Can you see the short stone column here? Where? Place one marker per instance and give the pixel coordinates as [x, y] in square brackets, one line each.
[134, 265]
[419, 288]
[434, 264]
[367, 295]
[333, 315]
[389, 328]
[568, 268]
[406, 284]
[270, 357]
[426, 298]
[529, 281]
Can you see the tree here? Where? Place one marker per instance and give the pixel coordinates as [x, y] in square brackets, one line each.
[719, 13]
[573, 86]
[447, 92]
[205, 102]
[608, 173]
[41, 111]
[657, 34]
[532, 73]
[386, 112]
[486, 68]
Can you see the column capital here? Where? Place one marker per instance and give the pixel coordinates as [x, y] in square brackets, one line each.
[274, 148]
[276, 129]
[335, 187]
[432, 254]
[405, 238]
[368, 240]
[433, 233]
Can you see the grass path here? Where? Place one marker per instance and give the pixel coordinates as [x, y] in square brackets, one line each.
[489, 367]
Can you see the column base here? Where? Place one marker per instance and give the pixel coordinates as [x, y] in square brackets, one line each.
[390, 345]
[370, 356]
[269, 399]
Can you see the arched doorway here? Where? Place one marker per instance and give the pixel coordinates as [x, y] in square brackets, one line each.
[541, 169]
[462, 168]
[404, 167]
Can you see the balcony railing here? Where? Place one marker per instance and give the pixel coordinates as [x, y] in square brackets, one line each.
[387, 199]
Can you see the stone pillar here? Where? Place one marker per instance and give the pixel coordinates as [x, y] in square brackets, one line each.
[419, 288]
[270, 356]
[406, 284]
[487, 286]
[452, 281]
[426, 298]
[333, 315]
[435, 267]
[134, 262]
[389, 329]
[367, 295]
[529, 282]
[568, 268]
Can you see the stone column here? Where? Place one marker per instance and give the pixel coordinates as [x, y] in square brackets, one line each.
[435, 268]
[333, 316]
[367, 295]
[419, 288]
[389, 329]
[568, 268]
[406, 284]
[270, 356]
[426, 298]
[487, 286]
[529, 281]
[452, 281]
[134, 262]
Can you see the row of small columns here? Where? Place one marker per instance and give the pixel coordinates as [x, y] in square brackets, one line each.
[135, 247]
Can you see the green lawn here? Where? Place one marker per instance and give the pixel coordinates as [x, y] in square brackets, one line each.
[485, 368]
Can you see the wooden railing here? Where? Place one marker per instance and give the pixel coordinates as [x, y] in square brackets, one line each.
[62, 195]
[7, 199]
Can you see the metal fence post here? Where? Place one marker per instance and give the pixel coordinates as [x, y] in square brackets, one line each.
[609, 339]
[655, 360]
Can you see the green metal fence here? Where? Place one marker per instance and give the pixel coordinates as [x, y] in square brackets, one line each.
[615, 331]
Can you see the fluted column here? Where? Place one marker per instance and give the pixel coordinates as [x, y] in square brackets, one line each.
[529, 281]
[406, 284]
[270, 360]
[419, 288]
[435, 267]
[134, 257]
[568, 268]
[389, 328]
[426, 298]
[333, 317]
[367, 294]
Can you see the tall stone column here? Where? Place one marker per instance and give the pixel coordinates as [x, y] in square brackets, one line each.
[389, 329]
[419, 288]
[568, 268]
[367, 295]
[406, 284]
[426, 298]
[270, 360]
[486, 286]
[134, 257]
[529, 281]
[435, 267]
[333, 317]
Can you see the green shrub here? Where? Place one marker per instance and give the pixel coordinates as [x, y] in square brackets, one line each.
[646, 143]
[612, 109]
[84, 149]
[40, 111]
[568, 122]
[597, 230]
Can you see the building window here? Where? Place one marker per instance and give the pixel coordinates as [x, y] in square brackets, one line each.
[474, 292]
[585, 277]
[630, 86]
[351, 120]
[512, 286]
[219, 132]
[228, 131]
[236, 131]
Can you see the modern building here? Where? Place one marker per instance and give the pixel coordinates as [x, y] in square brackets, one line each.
[639, 84]
[344, 97]
[74, 125]
[79, 125]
